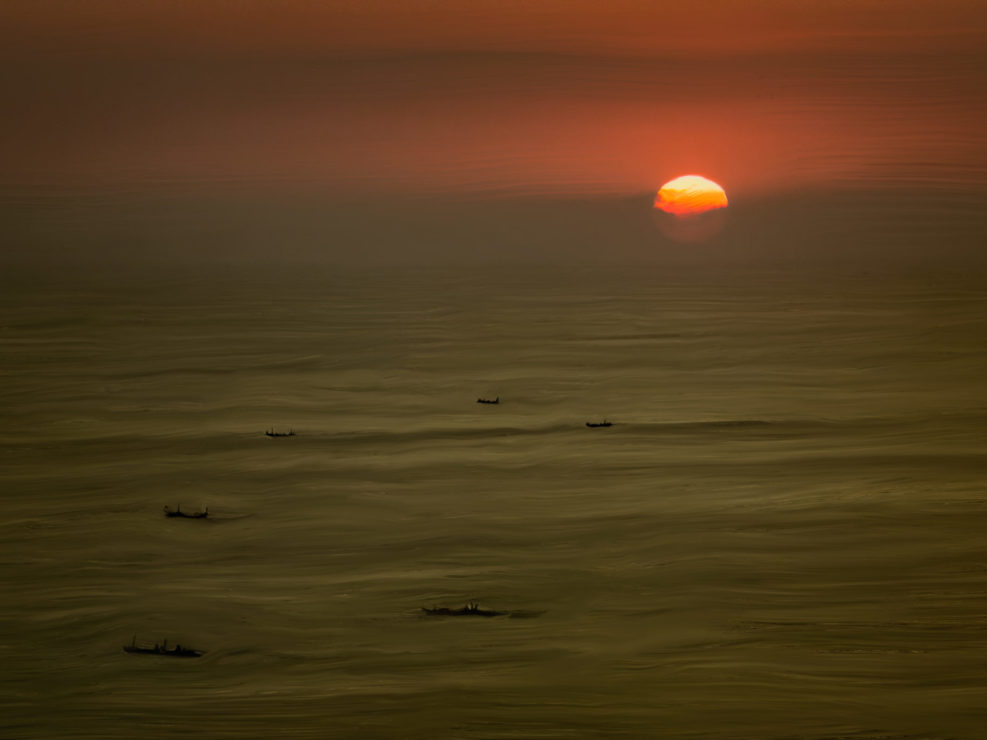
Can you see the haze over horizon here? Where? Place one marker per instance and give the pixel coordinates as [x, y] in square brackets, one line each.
[382, 99]
[377, 132]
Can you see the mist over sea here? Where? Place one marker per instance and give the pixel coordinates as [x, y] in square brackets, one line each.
[781, 536]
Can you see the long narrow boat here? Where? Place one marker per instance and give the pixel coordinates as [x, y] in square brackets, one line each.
[176, 652]
[272, 433]
[599, 424]
[470, 610]
[489, 400]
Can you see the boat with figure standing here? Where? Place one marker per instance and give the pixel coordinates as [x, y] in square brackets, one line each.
[472, 609]
[176, 652]
[184, 515]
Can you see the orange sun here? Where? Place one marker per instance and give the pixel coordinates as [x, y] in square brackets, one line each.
[690, 195]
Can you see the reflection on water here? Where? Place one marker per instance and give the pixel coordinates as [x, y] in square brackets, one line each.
[697, 227]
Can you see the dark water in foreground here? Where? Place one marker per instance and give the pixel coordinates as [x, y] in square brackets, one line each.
[780, 537]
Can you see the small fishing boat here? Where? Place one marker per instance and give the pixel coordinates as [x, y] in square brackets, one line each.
[176, 652]
[599, 424]
[472, 609]
[272, 433]
[489, 400]
[179, 513]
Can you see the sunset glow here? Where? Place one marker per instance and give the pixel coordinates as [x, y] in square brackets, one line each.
[690, 195]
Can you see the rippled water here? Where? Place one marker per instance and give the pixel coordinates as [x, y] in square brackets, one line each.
[781, 536]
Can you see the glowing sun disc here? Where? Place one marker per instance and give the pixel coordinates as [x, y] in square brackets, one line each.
[690, 195]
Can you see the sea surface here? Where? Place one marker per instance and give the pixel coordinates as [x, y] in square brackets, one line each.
[782, 536]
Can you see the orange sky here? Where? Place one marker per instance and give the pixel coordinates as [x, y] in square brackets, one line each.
[305, 27]
[544, 95]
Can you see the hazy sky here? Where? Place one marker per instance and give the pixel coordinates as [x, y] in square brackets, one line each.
[389, 99]
[538, 95]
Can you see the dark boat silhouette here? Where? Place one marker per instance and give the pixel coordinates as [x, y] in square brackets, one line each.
[470, 610]
[272, 433]
[488, 400]
[176, 652]
[599, 424]
[179, 513]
